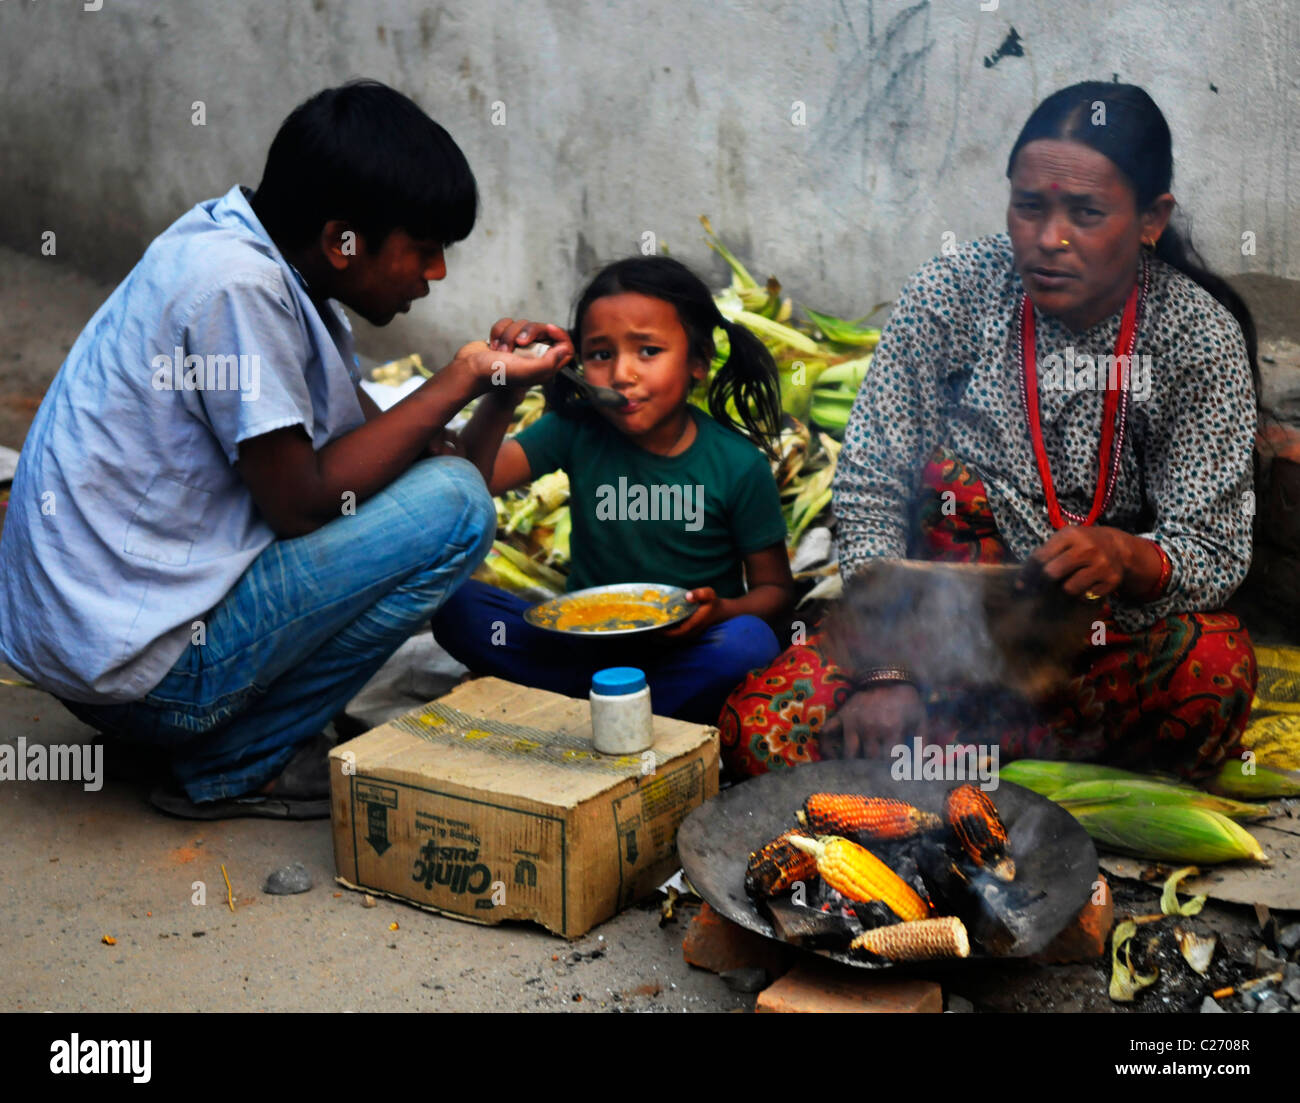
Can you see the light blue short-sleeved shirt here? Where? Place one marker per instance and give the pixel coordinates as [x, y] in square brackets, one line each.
[127, 521]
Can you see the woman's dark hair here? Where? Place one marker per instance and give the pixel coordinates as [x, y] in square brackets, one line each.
[1135, 137]
[748, 381]
[367, 155]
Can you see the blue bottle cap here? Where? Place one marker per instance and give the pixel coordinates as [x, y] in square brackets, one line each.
[615, 681]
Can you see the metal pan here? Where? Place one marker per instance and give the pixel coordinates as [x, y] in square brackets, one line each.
[664, 606]
[1056, 862]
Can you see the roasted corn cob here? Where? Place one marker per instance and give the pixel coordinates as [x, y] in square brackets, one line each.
[974, 820]
[777, 866]
[856, 873]
[916, 941]
[873, 817]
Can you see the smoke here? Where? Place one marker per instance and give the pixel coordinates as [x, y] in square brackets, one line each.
[960, 625]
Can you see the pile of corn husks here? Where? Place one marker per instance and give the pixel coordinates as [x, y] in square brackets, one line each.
[822, 361]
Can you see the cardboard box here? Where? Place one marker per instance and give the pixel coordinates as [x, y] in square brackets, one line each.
[489, 804]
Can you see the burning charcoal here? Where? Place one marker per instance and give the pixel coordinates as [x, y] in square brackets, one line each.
[811, 928]
[875, 914]
[991, 909]
[906, 866]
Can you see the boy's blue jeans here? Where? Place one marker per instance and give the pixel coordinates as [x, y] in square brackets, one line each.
[484, 628]
[306, 626]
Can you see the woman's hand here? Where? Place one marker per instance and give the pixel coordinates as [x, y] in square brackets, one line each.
[710, 611]
[1091, 561]
[871, 721]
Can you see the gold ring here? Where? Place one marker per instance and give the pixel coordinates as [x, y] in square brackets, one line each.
[1064, 242]
[1090, 596]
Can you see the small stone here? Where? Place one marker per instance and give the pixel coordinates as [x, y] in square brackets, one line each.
[1268, 962]
[1291, 971]
[1292, 990]
[1274, 1004]
[960, 1005]
[1209, 1007]
[747, 979]
[368, 901]
[288, 880]
[1289, 937]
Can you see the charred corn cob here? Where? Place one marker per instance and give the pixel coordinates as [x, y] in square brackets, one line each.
[856, 873]
[974, 820]
[777, 866]
[916, 941]
[874, 817]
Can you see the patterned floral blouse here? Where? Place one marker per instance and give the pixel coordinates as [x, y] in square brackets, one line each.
[946, 373]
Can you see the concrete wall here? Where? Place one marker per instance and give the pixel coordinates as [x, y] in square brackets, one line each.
[624, 117]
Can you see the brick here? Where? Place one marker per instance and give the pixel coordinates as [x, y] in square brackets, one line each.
[814, 986]
[1084, 939]
[717, 944]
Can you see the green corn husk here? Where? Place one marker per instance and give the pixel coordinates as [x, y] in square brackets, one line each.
[1264, 784]
[847, 375]
[1169, 832]
[1045, 777]
[843, 332]
[1151, 793]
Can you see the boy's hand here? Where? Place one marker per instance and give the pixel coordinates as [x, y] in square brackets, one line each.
[709, 613]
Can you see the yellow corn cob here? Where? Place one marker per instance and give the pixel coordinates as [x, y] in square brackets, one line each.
[853, 871]
[917, 941]
[876, 817]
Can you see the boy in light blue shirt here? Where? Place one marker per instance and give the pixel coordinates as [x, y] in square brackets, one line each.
[214, 539]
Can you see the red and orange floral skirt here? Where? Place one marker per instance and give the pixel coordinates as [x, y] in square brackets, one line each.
[1175, 696]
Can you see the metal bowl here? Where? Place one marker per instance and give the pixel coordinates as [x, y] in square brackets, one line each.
[664, 606]
[1056, 862]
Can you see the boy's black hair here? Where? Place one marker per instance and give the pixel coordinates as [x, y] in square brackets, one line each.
[748, 381]
[367, 155]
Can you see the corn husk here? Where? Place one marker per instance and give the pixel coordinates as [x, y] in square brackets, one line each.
[1045, 777]
[1250, 781]
[1169, 832]
[1169, 902]
[1141, 792]
[1125, 981]
[1197, 951]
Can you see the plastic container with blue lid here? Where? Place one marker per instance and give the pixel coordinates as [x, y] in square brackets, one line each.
[622, 721]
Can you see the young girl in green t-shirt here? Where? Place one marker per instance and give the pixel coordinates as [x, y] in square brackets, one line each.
[659, 492]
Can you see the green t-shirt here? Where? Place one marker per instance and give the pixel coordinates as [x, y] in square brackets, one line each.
[684, 520]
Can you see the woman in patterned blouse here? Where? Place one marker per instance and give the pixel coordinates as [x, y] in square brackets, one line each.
[941, 460]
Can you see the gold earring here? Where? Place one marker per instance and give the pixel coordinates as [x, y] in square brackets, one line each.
[1064, 242]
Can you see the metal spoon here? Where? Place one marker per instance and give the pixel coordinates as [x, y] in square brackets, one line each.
[597, 396]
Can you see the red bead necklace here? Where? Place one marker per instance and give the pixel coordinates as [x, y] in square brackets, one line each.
[1114, 416]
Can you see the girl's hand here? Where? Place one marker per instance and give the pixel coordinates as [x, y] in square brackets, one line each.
[445, 443]
[490, 371]
[709, 613]
[1089, 562]
[871, 721]
[508, 334]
